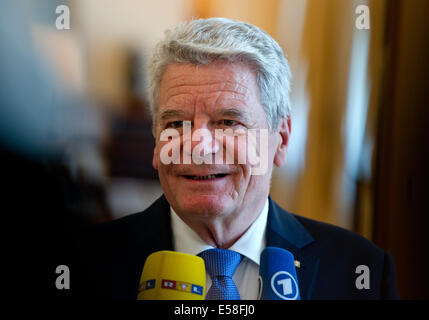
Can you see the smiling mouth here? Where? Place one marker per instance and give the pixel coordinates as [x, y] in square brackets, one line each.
[207, 177]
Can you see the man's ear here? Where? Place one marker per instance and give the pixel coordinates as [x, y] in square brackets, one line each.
[284, 131]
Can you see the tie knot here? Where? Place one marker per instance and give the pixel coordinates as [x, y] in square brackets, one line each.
[221, 262]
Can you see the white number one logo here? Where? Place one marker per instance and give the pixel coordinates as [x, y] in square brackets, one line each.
[287, 286]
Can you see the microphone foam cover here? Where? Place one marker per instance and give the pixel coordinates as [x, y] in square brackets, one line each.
[170, 275]
[277, 275]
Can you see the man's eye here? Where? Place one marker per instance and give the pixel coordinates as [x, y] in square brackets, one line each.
[175, 124]
[228, 123]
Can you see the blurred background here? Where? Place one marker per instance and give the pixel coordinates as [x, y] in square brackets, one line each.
[75, 131]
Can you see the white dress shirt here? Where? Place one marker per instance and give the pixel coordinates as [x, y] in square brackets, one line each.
[249, 245]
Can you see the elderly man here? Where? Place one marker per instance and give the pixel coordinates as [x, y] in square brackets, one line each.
[222, 76]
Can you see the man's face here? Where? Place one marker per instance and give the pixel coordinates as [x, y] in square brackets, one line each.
[214, 96]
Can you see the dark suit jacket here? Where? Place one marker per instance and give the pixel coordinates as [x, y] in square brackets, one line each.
[112, 255]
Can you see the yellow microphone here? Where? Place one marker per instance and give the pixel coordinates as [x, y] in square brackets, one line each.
[170, 275]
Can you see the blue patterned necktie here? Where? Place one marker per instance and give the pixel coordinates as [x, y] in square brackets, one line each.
[221, 265]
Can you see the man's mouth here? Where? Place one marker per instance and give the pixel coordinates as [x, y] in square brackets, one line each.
[206, 177]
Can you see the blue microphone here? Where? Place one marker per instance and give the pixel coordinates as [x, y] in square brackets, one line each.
[277, 275]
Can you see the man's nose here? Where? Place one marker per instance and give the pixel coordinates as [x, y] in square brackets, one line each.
[202, 139]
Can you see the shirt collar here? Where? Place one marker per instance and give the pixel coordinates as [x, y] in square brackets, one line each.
[250, 244]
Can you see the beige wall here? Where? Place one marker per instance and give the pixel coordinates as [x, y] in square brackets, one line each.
[257, 12]
[109, 28]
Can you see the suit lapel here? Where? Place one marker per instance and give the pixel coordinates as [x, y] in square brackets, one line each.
[157, 234]
[285, 231]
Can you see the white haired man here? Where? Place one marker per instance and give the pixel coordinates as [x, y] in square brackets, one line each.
[217, 75]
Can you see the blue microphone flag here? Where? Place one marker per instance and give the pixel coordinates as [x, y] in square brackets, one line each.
[277, 275]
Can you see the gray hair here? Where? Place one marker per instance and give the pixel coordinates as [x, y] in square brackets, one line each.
[205, 40]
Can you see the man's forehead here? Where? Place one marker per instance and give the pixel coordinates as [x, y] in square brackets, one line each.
[219, 85]
[227, 77]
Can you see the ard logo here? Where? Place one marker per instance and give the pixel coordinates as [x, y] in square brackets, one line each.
[285, 286]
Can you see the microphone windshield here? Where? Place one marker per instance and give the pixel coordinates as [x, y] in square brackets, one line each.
[277, 275]
[170, 275]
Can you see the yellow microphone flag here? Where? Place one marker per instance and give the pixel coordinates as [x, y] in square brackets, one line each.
[170, 275]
